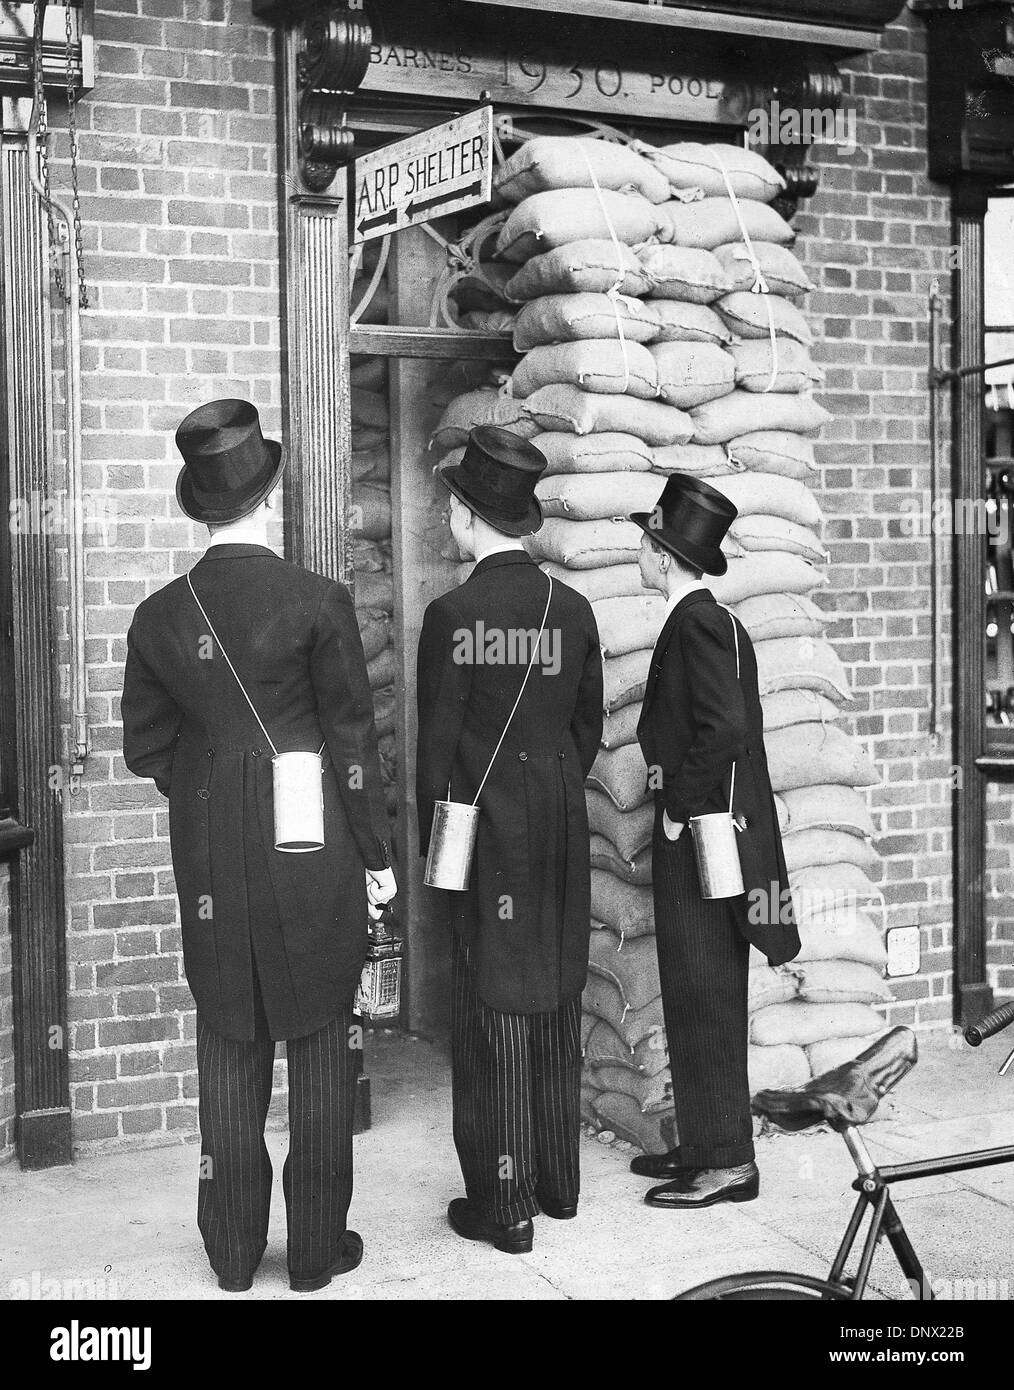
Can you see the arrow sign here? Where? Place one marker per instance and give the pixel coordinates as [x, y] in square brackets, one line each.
[438, 171]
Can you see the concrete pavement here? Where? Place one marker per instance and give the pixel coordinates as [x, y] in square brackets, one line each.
[126, 1219]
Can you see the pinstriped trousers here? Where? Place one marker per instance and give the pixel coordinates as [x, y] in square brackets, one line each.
[703, 960]
[516, 1084]
[234, 1192]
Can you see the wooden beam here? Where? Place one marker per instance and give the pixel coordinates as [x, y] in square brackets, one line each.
[384, 341]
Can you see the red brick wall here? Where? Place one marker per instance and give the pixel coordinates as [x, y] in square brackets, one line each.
[180, 204]
[6, 1023]
[181, 256]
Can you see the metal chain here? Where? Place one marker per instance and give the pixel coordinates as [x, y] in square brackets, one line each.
[82, 288]
[43, 147]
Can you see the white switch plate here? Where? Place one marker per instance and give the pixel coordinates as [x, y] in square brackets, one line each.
[904, 951]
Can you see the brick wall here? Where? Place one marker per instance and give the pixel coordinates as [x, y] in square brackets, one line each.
[6, 1023]
[179, 202]
[874, 237]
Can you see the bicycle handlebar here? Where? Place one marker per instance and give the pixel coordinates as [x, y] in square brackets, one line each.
[995, 1022]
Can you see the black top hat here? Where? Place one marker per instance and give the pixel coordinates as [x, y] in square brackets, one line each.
[496, 479]
[690, 519]
[229, 466]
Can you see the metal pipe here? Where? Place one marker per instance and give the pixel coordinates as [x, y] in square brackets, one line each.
[934, 388]
[79, 734]
[977, 369]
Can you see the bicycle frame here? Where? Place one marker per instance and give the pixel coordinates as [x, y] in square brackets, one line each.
[873, 1185]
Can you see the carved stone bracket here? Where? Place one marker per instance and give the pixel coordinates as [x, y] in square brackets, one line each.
[330, 65]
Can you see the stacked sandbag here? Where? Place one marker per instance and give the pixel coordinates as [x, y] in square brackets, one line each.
[656, 308]
[371, 551]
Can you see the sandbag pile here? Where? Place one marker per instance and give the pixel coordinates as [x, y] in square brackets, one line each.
[371, 545]
[657, 309]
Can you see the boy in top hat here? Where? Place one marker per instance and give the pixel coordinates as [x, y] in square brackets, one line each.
[701, 716]
[273, 942]
[519, 938]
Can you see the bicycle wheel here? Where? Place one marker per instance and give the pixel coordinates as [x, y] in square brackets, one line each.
[771, 1285]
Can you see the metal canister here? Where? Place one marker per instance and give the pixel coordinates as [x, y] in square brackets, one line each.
[378, 999]
[452, 845]
[717, 853]
[298, 799]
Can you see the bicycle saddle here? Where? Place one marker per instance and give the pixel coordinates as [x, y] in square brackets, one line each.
[847, 1095]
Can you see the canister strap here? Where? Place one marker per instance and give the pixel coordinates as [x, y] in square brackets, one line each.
[232, 668]
[735, 638]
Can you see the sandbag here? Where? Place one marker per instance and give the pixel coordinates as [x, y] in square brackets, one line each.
[605, 856]
[679, 322]
[687, 374]
[802, 1024]
[573, 161]
[762, 531]
[774, 451]
[368, 372]
[595, 364]
[603, 1046]
[768, 493]
[651, 1055]
[584, 266]
[629, 831]
[682, 273]
[629, 624]
[827, 888]
[829, 807]
[712, 222]
[841, 981]
[373, 465]
[699, 460]
[366, 437]
[382, 669]
[370, 513]
[602, 999]
[751, 315]
[544, 221]
[806, 848]
[620, 727]
[806, 663]
[622, 775]
[845, 934]
[785, 367]
[803, 755]
[740, 412]
[566, 407]
[653, 1094]
[775, 1068]
[593, 453]
[781, 270]
[370, 555]
[781, 813]
[375, 630]
[624, 679]
[621, 1115]
[768, 616]
[585, 544]
[784, 707]
[688, 164]
[836, 1052]
[625, 908]
[632, 966]
[768, 984]
[562, 318]
[765, 572]
[597, 496]
[484, 406]
[605, 581]
[368, 408]
[384, 711]
[375, 591]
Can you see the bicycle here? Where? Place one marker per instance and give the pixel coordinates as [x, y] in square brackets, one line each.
[847, 1098]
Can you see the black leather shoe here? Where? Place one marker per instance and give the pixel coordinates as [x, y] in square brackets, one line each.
[667, 1165]
[235, 1285]
[350, 1256]
[471, 1224]
[705, 1187]
[555, 1207]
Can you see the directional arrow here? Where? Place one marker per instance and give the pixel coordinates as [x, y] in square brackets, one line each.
[369, 224]
[418, 205]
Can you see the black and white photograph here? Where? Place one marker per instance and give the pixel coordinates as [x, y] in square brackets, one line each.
[506, 669]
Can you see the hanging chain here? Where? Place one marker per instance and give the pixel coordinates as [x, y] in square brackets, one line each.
[82, 288]
[43, 148]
